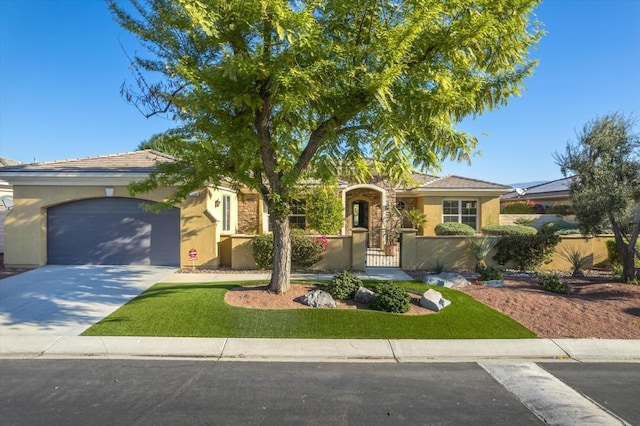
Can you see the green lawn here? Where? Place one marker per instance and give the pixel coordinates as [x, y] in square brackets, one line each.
[199, 310]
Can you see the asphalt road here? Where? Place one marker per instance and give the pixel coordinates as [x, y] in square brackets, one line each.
[172, 392]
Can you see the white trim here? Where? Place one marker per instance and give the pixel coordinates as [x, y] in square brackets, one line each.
[460, 201]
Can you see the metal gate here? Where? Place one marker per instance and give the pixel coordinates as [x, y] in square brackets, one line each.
[383, 248]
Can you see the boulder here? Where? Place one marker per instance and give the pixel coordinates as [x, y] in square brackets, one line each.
[494, 283]
[446, 279]
[318, 299]
[432, 299]
[364, 295]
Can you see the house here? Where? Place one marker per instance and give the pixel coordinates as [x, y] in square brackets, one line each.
[79, 211]
[546, 194]
[6, 198]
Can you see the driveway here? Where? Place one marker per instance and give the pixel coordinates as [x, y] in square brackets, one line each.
[66, 300]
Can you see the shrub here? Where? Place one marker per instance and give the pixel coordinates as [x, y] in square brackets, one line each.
[263, 250]
[391, 298]
[454, 228]
[615, 260]
[560, 228]
[523, 221]
[480, 248]
[527, 251]
[508, 230]
[344, 285]
[489, 273]
[305, 250]
[518, 207]
[576, 258]
[561, 209]
[324, 210]
[553, 283]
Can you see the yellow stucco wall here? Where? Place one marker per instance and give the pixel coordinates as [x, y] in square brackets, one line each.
[431, 206]
[26, 225]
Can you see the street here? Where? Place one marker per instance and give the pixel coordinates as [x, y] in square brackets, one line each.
[146, 392]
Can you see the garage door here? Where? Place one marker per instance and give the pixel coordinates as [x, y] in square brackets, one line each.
[112, 231]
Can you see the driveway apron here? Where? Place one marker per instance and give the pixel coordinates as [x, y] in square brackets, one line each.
[66, 300]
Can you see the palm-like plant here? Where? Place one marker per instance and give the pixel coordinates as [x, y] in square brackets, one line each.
[480, 248]
[576, 258]
[415, 217]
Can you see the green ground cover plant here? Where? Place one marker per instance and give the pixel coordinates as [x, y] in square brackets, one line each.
[199, 310]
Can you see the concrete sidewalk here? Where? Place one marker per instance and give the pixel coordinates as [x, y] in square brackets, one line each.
[373, 274]
[305, 350]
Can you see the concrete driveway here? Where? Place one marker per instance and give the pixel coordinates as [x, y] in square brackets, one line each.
[66, 300]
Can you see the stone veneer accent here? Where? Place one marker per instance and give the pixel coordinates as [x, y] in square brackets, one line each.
[248, 213]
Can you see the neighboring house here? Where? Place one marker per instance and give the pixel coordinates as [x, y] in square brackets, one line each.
[79, 211]
[546, 194]
[6, 198]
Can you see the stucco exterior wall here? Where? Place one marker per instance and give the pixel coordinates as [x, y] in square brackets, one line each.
[26, 225]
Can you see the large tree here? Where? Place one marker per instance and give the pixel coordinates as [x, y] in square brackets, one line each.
[266, 92]
[606, 190]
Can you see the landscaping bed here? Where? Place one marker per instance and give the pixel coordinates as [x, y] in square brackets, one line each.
[596, 307]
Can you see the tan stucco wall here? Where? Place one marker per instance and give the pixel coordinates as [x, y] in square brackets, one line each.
[26, 233]
[431, 206]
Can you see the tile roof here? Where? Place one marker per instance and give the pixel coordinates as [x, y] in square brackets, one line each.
[452, 182]
[138, 161]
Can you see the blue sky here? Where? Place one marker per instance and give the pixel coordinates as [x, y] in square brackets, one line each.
[61, 67]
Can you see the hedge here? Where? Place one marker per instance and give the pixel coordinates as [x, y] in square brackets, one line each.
[508, 230]
[454, 228]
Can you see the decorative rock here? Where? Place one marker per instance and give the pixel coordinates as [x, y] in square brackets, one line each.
[494, 283]
[432, 299]
[446, 279]
[318, 299]
[364, 295]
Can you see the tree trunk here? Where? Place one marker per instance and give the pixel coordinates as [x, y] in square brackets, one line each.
[628, 265]
[280, 277]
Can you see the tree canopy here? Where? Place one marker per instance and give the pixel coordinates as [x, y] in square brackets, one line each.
[606, 190]
[266, 92]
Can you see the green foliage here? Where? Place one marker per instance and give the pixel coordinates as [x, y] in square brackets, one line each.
[606, 163]
[489, 273]
[263, 251]
[415, 217]
[268, 94]
[553, 283]
[527, 251]
[518, 207]
[560, 228]
[305, 250]
[615, 259]
[454, 228]
[561, 209]
[325, 213]
[344, 285]
[576, 258]
[508, 230]
[480, 248]
[439, 267]
[523, 221]
[170, 143]
[390, 297]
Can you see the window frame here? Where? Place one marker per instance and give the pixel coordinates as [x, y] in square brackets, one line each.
[459, 215]
[226, 213]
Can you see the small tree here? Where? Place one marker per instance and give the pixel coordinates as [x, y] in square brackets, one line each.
[415, 217]
[606, 192]
[324, 213]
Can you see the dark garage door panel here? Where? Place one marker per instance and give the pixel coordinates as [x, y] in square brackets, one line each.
[112, 231]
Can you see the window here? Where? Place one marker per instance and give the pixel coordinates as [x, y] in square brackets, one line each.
[462, 211]
[297, 217]
[401, 205]
[226, 213]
